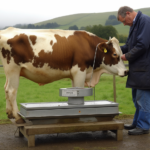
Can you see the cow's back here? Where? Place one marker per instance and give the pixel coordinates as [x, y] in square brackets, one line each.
[46, 52]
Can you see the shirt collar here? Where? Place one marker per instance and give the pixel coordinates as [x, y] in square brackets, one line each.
[135, 17]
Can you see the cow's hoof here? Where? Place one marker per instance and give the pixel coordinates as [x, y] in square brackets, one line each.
[20, 121]
[10, 116]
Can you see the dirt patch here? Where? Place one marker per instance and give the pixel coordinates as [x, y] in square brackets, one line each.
[120, 117]
[5, 121]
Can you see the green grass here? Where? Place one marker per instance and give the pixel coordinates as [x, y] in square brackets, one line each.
[1, 70]
[86, 19]
[30, 92]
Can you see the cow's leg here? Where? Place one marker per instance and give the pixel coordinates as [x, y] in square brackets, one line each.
[11, 93]
[78, 77]
[8, 105]
[5, 83]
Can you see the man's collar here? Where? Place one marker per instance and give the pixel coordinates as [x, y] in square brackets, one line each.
[135, 17]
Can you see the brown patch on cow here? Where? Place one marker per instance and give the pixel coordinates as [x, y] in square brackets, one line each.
[6, 54]
[33, 39]
[51, 42]
[78, 49]
[21, 49]
[109, 58]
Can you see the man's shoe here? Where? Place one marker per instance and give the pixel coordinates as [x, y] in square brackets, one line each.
[137, 131]
[129, 127]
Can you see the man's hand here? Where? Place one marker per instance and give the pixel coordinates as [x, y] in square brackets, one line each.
[123, 57]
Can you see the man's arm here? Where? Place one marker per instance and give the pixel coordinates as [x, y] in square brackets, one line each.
[143, 42]
[124, 48]
[123, 57]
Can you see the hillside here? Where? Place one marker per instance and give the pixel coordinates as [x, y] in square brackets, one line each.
[85, 19]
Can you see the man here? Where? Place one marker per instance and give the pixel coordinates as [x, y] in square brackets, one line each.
[137, 52]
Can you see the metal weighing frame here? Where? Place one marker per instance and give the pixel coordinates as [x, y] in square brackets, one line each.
[75, 107]
[76, 115]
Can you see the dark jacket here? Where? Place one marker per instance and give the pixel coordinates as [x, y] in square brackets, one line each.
[137, 52]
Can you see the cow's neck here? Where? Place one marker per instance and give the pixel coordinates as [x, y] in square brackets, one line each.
[98, 60]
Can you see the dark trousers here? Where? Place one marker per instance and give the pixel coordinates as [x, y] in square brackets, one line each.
[141, 100]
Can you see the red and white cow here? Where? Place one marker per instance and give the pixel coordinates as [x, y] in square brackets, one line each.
[47, 55]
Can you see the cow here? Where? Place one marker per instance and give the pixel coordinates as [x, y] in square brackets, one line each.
[47, 55]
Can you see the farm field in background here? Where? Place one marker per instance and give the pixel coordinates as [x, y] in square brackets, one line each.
[86, 19]
[30, 92]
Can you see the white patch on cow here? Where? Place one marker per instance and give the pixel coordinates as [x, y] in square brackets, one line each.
[3, 43]
[117, 69]
[43, 75]
[43, 39]
[63, 33]
[116, 46]
[91, 82]
[42, 43]
[78, 76]
[91, 34]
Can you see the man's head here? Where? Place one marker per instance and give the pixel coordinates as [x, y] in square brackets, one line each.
[126, 15]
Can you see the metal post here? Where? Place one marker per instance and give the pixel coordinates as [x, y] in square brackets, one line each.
[114, 87]
[94, 93]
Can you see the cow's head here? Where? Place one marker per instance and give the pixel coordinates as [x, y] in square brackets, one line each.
[111, 57]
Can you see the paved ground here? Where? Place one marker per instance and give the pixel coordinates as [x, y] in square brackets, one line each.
[76, 141]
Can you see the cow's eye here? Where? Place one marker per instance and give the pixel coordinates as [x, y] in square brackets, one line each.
[115, 54]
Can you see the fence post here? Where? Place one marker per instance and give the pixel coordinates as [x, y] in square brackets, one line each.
[114, 87]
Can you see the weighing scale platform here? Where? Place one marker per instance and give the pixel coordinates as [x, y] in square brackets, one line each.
[76, 115]
[63, 109]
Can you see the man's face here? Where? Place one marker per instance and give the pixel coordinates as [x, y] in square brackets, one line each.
[127, 20]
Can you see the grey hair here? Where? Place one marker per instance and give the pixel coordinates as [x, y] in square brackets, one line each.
[122, 11]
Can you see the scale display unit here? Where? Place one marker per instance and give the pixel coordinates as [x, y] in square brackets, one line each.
[74, 107]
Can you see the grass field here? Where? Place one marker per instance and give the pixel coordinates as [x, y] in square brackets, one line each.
[86, 19]
[30, 92]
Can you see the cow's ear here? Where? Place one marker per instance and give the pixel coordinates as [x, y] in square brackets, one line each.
[102, 48]
[105, 50]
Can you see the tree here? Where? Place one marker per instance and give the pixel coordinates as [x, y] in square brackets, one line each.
[82, 28]
[112, 20]
[73, 27]
[112, 17]
[102, 31]
[30, 26]
[122, 38]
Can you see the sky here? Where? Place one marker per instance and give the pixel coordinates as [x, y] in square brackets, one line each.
[14, 12]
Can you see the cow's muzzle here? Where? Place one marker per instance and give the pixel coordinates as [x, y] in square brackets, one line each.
[126, 72]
